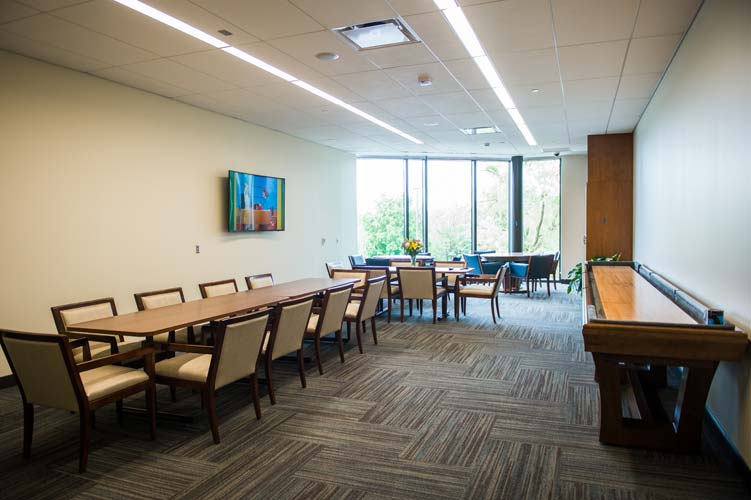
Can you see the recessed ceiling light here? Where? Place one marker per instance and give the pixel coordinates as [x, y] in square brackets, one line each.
[186, 28]
[535, 91]
[327, 56]
[377, 34]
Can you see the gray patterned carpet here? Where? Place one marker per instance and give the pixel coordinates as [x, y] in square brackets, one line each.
[457, 410]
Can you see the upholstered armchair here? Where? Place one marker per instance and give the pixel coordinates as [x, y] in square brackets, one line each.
[537, 268]
[164, 298]
[479, 287]
[47, 374]
[390, 290]
[330, 266]
[237, 346]
[419, 283]
[359, 311]
[259, 281]
[216, 288]
[356, 260]
[328, 319]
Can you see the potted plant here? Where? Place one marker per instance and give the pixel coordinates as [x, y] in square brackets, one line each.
[575, 274]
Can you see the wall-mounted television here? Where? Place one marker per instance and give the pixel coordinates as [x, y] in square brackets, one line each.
[256, 202]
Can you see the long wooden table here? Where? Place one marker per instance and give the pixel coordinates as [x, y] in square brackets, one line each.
[635, 330]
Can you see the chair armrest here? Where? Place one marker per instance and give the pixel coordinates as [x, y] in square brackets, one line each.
[197, 349]
[143, 352]
[316, 310]
[482, 278]
[83, 343]
[96, 337]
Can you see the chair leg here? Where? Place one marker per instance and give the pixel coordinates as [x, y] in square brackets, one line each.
[457, 300]
[527, 287]
[173, 393]
[341, 345]
[548, 280]
[254, 394]
[210, 397]
[364, 329]
[373, 327]
[28, 428]
[419, 303]
[151, 409]
[85, 439]
[93, 420]
[492, 311]
[410, 307]
[348, 330]
[119, 410]
[318, 354]
[301, 368]
[269, 380]
[435, 309]
[554, 285]
[388, 312]
[359, 336]
[401, 305]
[497, 307]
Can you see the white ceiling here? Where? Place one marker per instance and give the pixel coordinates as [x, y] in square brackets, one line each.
[595, 62]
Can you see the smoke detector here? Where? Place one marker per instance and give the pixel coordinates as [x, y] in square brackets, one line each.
[424, 80]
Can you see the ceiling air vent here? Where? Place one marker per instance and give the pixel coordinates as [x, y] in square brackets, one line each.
[377, 34]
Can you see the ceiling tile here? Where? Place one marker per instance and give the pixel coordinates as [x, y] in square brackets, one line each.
[284, 120]
[292, 95]
[512, 25]
[466, 71]
[442, 81]
[622, 124]
[589, 21]
[596, 89]
[526, 66]
[650, 55]
[227, 68]
[437, 33]
[638, 86]
[578, 128]
[339, 13]
[400, 55]
[487, 99]
[285, 62]
[409, 7]
[665, 17]
[50, 4]
[431, 124]
[52, 30]
[47, 52]
[550, 133]
[452, 102]
[142, 82]
[373, 85]
[264, 19]
[470, 120]
[549, 94]
[538, 114]
[236, 102]
[589, 111]
[129, 26]
[629, 107]
[202, 19]
[325, 133]
[406, 107]
[305, 47]
[595, 60]
[10, 11]
[170, 72]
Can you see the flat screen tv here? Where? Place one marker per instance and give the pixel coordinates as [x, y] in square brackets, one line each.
[256, 203]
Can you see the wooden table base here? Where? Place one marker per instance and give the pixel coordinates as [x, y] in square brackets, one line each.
[678, 430]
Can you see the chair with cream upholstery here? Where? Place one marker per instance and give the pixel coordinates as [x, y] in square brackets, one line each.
[100, 344]
[390, 291]
[216, 288]
[402, 262]
[450, 278]
[420, 283]
[259, 281]
[286, 337]
[358, 312]
[360, 276]
[330, 266]
[47, 374]
[328, 319]
[483, 286]
[163, 298]
[234, 356]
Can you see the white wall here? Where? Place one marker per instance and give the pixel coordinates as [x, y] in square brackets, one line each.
[692, 186]
[573, 211]
[105, 191]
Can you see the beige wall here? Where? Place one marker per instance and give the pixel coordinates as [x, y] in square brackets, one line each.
[692, 186]
[106, 190]
[573, 211]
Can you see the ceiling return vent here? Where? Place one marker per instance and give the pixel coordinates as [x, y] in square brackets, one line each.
[377, 34]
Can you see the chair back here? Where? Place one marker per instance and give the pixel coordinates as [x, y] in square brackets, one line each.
[539, 266]
[334, 306]
[376, 261]
[417, 282]
[217, 288]
[449, 263]
[356, 260]
[377, 272]
[360, 276]
[289, 328]
[237, 348]
[554, 267]
[499, 275]
[371, 296]
[405, 263]
[257, 281]
[44, 369]
[474, 262]
[330, 266]
[159, 298]
[79, 312]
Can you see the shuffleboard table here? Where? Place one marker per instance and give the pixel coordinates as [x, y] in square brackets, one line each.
[637, 325]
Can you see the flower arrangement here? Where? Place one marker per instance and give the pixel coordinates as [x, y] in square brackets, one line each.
[412, 248]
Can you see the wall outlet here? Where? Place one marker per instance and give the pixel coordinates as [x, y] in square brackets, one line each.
[198, 249]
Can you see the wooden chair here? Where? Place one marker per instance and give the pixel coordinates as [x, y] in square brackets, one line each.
[479, 287]
[450, 278]
[405, 263]
[360, 276]
[390, 290]
[358, 312]
[257, 281]
[234, 356]
[163, 298]
[286, 337]
[554, 268]
[330, 266]
[328, 319]
[47, 375]
[419, 283]
[101, 344]
[216, 288]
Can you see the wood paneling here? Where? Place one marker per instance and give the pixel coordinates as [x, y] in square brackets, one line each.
[610, 212]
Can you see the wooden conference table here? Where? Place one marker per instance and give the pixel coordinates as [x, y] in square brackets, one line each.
[636, 324]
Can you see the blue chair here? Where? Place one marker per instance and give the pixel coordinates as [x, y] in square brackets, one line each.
[374, 261]
[473, 261]
[538, 268]
[356, 260]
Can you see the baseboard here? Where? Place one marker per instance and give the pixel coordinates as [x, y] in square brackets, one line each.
[7, 381]
[729, 450]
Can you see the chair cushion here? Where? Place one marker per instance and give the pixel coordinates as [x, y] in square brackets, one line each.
[190, 366]
[181, 337]
[312, 323]
[484, 290]
[105, 380]
[100, 349]
[518, 270]
[352, 309]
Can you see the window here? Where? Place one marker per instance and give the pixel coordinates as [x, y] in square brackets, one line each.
[492, 205]
[415, 171]
[541, 205]
[449, 208]
[380, 206]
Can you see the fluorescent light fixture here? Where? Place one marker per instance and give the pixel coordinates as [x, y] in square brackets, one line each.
[480, 130]
[458, 21]
[162, 17]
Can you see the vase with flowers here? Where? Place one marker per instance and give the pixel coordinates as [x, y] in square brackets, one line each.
[412, 248]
